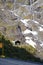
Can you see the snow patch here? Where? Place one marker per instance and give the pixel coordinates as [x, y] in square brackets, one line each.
[25, 21]
[41, 44]
[30, 42]
[40, 29]
[2, 9]
[34, 32]
[27, 38]
[26, 31]
[35, 22]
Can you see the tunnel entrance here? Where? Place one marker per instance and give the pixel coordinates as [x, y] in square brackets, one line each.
[17, 42]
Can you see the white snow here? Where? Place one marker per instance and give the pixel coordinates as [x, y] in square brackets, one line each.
[34, 32]
[41, 44]
[40, 29]
[26, 31]
[2, 9]
[27, 38]
[25, 21]
[35, 22]
[30, 42]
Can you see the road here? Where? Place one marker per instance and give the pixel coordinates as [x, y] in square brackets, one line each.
[7, 61]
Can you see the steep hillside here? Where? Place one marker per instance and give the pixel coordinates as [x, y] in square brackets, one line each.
[22, 20]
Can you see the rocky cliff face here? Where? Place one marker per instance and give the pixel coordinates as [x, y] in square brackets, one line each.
[28, 15]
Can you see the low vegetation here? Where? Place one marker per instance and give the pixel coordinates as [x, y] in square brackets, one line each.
[23, 52]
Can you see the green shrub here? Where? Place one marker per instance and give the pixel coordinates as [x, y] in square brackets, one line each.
[24, 52]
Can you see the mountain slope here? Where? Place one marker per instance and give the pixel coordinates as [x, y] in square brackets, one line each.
[22, 21]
